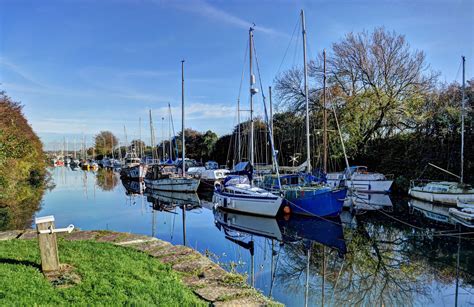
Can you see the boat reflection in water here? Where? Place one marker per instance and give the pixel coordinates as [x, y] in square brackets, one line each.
[243, 230]
[168, 198]
[133, 187]
[360, 201]
[249, 224]
[432, 211]
[437, 212]
[170, 202]
[327, 232]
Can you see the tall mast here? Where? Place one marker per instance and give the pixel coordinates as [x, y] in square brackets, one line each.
[238, 130]
[163, 137]
[271, 123]
[182, 116]
[111, 145]
[308, 149]
[169, 132]
[140, 137]
[463, 110]
[252, 92]
[325, 119]
[152, 138]
[126, 141]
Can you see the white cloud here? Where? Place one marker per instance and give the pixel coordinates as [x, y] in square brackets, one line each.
[205, 9]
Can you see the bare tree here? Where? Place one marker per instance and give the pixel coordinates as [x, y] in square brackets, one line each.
[381, 67]
[375, 78]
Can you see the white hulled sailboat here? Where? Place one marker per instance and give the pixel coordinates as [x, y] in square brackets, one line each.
[158, 179]
[447, 192]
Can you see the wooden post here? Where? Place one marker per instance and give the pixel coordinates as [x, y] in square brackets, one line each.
[47, 244]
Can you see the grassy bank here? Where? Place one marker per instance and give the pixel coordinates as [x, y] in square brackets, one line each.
[109, 274]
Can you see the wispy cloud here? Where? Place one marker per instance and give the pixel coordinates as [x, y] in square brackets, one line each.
[145, 73]
[201, 111]
[24, 74]
[201, 7]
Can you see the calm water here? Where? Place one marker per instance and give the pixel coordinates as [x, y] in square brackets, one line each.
[401, 254]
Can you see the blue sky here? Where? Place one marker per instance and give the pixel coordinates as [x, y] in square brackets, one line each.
[85, 66]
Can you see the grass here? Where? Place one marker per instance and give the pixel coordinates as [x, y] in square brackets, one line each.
[110, 275]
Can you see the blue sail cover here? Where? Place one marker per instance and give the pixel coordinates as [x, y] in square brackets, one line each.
[243, 168]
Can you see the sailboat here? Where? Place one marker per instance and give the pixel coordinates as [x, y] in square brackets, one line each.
[303, 195]
[237, 192]
[157, 179]
[447, 192]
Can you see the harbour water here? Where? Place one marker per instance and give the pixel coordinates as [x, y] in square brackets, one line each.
[388, 251]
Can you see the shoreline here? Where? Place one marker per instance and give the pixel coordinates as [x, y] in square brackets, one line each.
[206, 279]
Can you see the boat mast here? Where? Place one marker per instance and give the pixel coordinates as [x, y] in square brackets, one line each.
[140, 137]
[126, 141]
[463, 110]
[238, 130]
[252, 92]
[152, 138]
[182, 116]
[272, 140]
[111, 145]
[169, 132]
[325, 119]
[163, 137]
[308, 154]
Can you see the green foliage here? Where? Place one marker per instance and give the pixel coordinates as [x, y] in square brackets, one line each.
[198, 146]
[105, 141]
[22, 166]
[110, 275]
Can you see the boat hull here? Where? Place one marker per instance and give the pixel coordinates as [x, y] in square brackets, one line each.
[316, 203]
[136, 172]
[367, 186]
[186, 185]
[443, 198]
[250, 204]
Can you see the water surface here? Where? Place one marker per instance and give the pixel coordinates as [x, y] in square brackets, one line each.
[384, 251]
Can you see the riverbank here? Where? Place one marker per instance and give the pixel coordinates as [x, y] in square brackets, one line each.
[140, 269]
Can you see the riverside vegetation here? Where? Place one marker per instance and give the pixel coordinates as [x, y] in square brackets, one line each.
[22, 167]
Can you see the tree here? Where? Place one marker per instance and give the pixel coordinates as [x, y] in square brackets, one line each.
[209, 139]
[374, 80]
[105, 141]
[379, 76]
